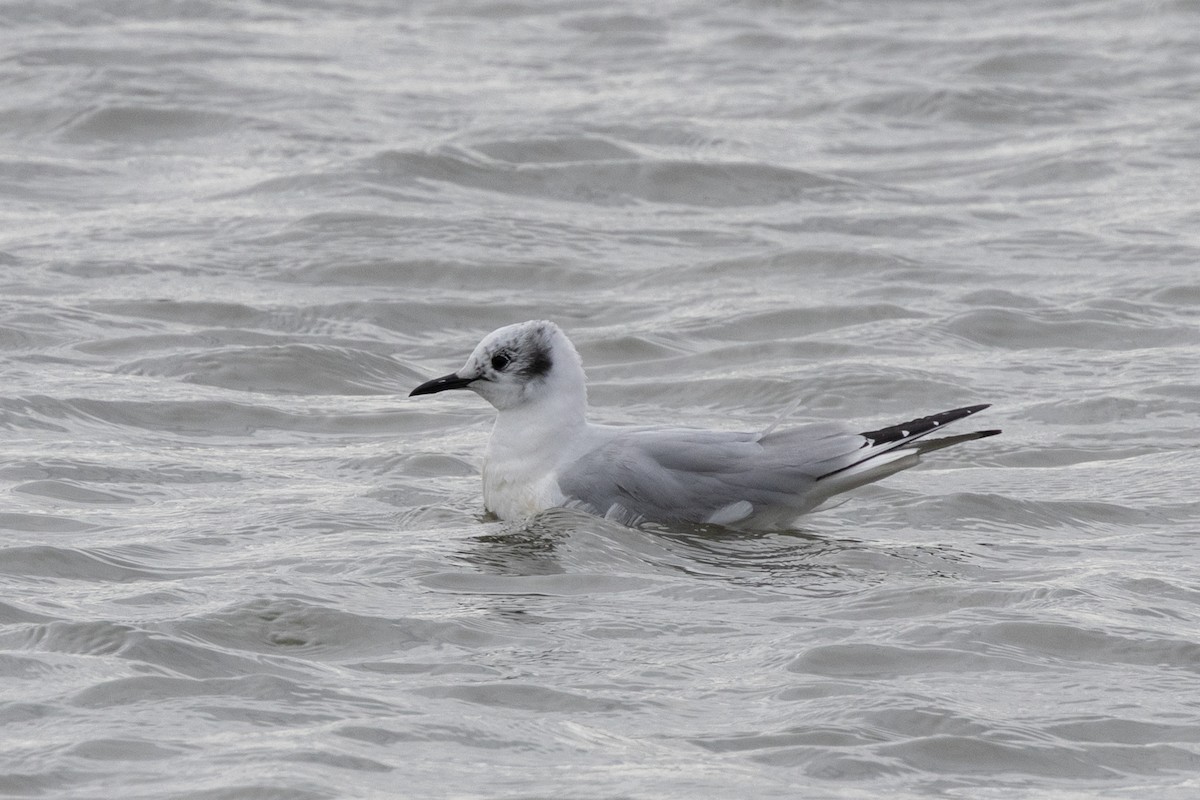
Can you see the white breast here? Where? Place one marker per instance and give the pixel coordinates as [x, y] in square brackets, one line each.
[528, 446]
[515, 494]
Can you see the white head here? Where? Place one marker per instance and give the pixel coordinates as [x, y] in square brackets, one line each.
[529, 363]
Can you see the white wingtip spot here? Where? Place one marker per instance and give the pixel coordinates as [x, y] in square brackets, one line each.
[734, 512]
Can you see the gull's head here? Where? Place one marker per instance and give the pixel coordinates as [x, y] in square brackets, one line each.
[528, 362]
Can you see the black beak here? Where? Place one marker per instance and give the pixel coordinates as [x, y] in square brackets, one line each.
[451, 381]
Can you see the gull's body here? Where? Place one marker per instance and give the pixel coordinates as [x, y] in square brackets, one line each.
[543, 452]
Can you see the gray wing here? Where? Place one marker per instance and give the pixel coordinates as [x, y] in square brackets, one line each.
[718, 477]
[708, 476]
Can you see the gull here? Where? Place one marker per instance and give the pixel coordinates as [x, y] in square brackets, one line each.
[544, 453]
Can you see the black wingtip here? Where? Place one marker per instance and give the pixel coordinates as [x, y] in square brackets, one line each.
[916, 428]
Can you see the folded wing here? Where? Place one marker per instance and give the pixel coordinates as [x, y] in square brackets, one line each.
[729, 478]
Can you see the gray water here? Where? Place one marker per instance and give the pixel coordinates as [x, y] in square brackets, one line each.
[237, 561]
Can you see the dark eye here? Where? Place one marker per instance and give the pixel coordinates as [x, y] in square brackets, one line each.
[500, 361]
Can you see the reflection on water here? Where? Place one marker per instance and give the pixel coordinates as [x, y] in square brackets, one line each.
[564, 541]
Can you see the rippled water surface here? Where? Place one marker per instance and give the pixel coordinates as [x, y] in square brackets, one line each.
[237, 561]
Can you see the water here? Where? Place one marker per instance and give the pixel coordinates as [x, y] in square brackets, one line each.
[237, 562]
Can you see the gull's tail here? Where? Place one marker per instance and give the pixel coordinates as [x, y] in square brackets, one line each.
[896, 447]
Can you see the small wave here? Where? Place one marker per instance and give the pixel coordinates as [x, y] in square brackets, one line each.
[94, 565]
[560, 150]
[148, 124]
[985, 105]
[1085, 329]
[71, 492]
[281, 369]
[701, 183]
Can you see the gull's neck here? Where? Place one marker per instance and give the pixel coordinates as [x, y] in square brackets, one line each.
[540, 430]
[528, 444]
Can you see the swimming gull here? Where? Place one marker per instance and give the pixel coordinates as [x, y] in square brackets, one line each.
[544, 453]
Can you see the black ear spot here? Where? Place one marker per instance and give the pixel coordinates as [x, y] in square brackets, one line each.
[500, 361]
[539, 366]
